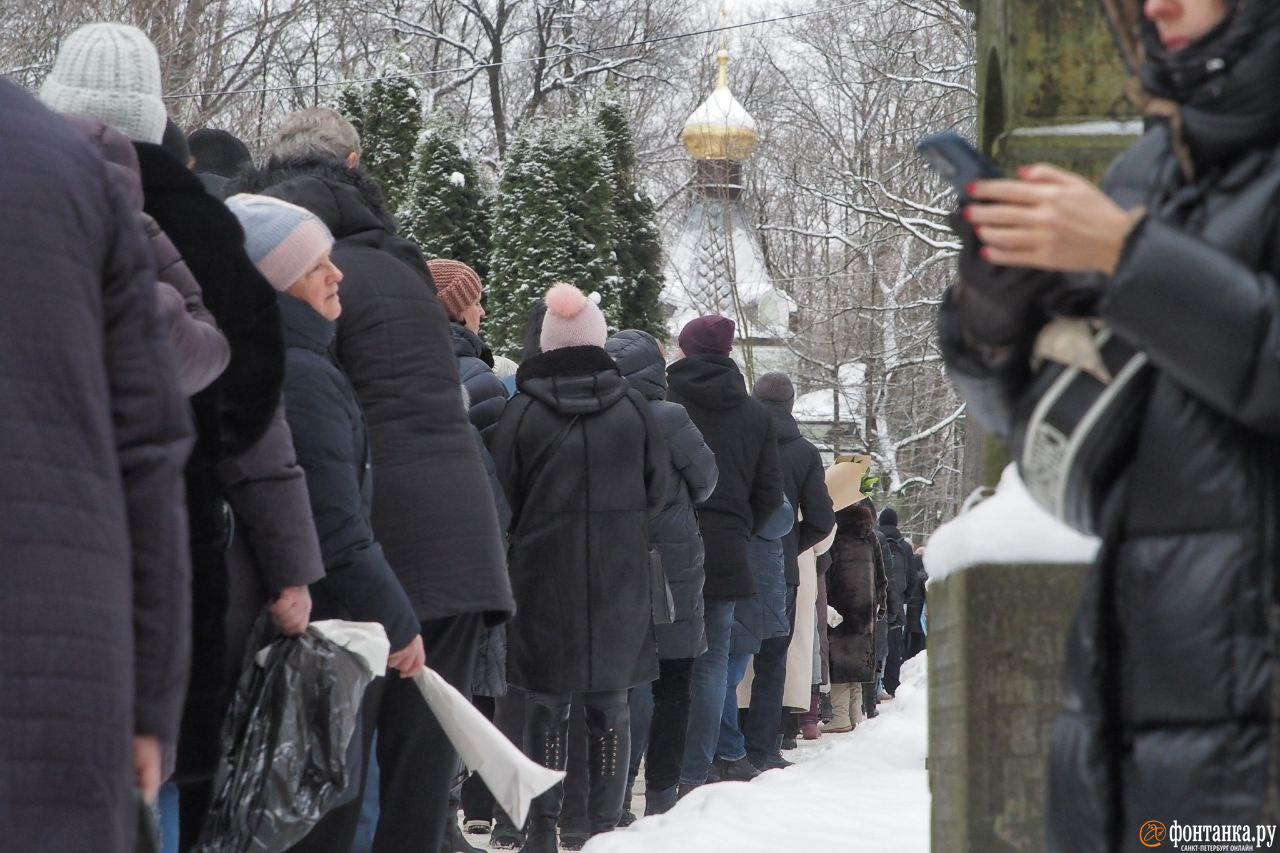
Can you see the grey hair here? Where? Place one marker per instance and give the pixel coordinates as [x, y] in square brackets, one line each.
[317, 130]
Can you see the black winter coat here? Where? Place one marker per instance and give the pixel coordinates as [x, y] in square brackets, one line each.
[95, 606]
[241, 403]
[490, 676]
[674, 531]
[1169, 691]
[584, 468]
[805, 485]
[486, 394]
[740, 432]
[432, 511]
[233, 416]
[899, 562]
[916, 595]
[856, 588]
[333, 448]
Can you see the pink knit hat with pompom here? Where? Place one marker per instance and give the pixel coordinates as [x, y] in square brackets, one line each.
[572, 320]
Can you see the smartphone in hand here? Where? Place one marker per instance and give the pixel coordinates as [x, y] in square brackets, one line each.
[956, 160]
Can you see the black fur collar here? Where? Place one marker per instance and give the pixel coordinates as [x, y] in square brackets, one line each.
[567, 361]
[325, 167]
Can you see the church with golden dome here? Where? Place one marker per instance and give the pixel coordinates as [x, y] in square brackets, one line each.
[715, 265]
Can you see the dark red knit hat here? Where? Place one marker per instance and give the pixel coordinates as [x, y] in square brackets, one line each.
[712, 335]
[457, 285]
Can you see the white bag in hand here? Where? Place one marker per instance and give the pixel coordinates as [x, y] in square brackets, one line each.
[512, 778]
[834, 619]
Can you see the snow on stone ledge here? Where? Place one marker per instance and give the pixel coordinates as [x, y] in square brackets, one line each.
[1008, 527]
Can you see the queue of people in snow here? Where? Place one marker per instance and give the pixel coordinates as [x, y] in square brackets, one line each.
[234, 389]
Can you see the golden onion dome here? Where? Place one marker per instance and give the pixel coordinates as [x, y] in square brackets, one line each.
[721, 128]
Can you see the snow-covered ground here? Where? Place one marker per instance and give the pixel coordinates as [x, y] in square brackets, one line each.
[865, 790]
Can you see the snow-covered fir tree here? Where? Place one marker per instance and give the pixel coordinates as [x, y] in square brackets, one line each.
[389, 117]
[553, 221]
[637, 240]
[445, 209]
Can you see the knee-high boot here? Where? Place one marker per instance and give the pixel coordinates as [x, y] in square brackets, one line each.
[545, 736]
[609, 756]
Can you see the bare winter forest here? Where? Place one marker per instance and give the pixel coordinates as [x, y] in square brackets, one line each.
[852, 225]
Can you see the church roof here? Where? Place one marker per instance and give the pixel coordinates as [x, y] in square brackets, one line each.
[721, 128]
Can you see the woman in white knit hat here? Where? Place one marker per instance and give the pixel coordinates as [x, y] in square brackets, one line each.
[244, 457]
[109, 72]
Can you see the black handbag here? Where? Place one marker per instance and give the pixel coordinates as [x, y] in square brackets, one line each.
[664, 603]
[1088, 392]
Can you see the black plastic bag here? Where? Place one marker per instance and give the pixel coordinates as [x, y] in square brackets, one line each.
[285, 758]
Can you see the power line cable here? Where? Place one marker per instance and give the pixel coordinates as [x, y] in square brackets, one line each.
[485, 65]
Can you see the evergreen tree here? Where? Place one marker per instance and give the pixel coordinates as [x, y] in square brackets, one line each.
[351, 105]
[552, 221]
[636, 239]
[445, 209]
[389, 118]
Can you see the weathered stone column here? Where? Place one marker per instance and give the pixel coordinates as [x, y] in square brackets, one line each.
[1050, 88]
[1006, 578]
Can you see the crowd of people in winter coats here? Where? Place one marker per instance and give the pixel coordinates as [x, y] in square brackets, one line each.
[238, 401]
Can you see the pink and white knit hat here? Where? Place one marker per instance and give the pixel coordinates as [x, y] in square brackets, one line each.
[572, 320]
[284, 241]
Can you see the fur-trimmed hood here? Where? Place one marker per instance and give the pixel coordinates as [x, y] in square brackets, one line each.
[356, 197]
[573, 380]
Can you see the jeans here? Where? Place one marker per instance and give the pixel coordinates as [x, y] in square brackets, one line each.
[168, 805]
[659, 721]
[732, 745]
[706, 693]
[762, 724]
[369, 806]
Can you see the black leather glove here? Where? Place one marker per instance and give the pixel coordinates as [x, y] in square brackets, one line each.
[999, 306]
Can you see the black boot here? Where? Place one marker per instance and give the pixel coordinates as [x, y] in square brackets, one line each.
[609, 760]
[454, 842]
[545, 732]
[628, 816]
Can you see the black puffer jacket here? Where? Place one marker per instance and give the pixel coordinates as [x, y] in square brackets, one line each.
[333, 448]
[432, 510]
[674, 532]
[740, 432]
[584, 468]
[805, 485]
[1170, 677]
[856, 588]
[486, 394]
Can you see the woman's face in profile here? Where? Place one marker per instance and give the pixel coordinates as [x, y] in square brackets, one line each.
[1179, 23]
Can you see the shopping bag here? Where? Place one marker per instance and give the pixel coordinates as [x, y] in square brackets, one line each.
[512, 778]
[284, 755]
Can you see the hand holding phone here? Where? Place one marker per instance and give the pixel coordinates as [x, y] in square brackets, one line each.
[956, 160]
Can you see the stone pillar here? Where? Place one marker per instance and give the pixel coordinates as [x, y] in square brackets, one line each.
[1050, 88]
[995, 660]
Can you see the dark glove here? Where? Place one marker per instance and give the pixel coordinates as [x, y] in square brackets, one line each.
[998, 305]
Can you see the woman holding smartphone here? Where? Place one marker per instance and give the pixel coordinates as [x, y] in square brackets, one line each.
[1169, 707]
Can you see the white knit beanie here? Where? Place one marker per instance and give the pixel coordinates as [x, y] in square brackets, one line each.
[109, 72]
[284, 241]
